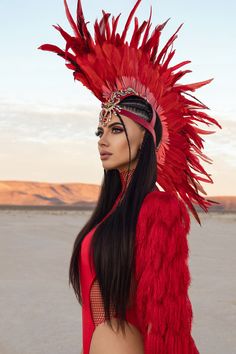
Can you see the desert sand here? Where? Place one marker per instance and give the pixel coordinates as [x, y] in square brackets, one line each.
[39, 311]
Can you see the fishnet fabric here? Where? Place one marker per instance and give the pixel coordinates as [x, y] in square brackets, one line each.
[97, 308]
[96, 302]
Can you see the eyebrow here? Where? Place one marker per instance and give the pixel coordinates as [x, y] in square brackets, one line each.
[111, 125]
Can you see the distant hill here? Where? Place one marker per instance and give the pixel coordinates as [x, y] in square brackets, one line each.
[227, 203]
[23, 193]
[42, 194]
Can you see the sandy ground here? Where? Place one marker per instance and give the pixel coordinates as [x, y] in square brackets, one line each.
[39, 311]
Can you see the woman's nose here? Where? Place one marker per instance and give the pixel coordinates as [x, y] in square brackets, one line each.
[103, 139]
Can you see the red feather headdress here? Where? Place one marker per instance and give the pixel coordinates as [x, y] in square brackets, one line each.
[107, 63]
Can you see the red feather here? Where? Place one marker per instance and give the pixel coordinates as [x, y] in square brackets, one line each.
[162, 54]
[114, 27]
[70, 19]
[146, 33]
[129, 20]
[51, 48]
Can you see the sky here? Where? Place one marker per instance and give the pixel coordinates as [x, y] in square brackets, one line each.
[47, 121]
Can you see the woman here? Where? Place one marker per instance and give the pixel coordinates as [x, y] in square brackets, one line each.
[129, 265]
[129, 147]
[134, 221]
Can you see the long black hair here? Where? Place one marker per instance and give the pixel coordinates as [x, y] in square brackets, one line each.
[112, 245]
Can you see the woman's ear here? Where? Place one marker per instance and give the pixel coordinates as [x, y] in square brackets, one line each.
[143, 132]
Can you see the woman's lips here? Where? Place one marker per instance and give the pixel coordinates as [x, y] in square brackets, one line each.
[105, 156]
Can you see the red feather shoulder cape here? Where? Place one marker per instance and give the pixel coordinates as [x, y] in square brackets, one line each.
[161, 267]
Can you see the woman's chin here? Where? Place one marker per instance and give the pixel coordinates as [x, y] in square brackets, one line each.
[109, 166]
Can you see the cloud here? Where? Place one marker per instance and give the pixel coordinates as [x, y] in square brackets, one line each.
[48, 124]
[222, 142]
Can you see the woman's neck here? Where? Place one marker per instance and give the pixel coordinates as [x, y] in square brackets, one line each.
[125, 174]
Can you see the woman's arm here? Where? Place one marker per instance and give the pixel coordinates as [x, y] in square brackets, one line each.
[164, 308]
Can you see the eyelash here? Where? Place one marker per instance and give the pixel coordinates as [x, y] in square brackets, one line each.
[98, 132]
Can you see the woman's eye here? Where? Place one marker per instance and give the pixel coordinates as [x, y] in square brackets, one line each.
[117, 129]
[99, 132]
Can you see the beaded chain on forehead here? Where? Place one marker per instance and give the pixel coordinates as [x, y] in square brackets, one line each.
[111, 106]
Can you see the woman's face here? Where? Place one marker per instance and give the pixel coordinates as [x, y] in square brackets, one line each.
[113, 140]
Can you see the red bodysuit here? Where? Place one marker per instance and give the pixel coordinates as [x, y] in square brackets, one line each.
[161, 274]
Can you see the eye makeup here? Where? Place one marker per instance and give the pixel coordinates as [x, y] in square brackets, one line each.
[99, 131]
[113, 126]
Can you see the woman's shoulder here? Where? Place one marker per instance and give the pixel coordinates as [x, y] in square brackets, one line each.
[162, 207]
[162, 215]
[156, 200]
